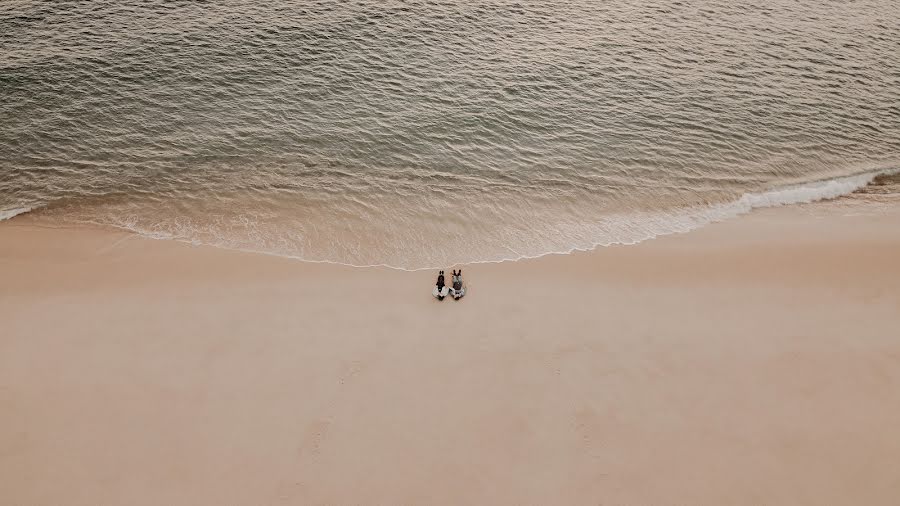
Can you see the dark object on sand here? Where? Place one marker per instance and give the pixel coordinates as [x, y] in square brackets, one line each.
[457, 291]
[440, 289]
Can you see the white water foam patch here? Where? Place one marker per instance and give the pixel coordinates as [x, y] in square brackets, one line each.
[10, 213]
[807, 193]
[635, 227]
[612, 229]
[645, 226]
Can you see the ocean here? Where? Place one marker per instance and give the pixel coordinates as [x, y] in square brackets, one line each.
[426, 134]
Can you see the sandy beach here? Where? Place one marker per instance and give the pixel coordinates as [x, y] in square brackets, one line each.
[754, 361]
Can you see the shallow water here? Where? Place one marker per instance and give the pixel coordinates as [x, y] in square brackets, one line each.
[424, 134]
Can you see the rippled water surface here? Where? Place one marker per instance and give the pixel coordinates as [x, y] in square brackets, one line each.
[426, 133]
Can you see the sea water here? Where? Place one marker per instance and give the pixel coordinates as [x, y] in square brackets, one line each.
[423, 134]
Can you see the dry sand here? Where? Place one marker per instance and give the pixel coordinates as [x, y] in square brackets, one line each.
[755, 361]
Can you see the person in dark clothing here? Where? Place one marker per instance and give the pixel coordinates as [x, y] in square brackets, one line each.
[440, 290]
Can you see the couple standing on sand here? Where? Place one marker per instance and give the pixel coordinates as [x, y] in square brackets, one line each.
[457, 290]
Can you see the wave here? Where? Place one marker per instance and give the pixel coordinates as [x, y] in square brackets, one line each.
[6, 214]
[803, 193]
[809, 192]
[638, 227]
[626, 227]
[608, 230]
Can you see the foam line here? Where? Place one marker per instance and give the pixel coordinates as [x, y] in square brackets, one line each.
[609, 230]
[9, 213]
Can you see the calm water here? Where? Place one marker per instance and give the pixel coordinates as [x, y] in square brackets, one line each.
[426, 133]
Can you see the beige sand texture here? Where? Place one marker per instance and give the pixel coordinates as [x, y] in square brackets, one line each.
[755, 361]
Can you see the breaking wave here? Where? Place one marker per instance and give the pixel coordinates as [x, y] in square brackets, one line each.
[607, 230]
[10, 213]
[638, 227]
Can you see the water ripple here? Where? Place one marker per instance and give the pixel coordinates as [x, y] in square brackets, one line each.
[416, 134]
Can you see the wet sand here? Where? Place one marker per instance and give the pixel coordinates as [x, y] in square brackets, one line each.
[755, 361]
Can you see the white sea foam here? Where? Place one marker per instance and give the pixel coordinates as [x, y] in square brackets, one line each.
[794, 194]
[636, 227]
[808, 192]
[607, 230]
[9, 213]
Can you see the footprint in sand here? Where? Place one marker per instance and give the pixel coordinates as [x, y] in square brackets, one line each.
[317, 431]
[315, 436]
[355, 367]
[586, 426]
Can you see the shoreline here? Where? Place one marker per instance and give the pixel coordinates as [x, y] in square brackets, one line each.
[749, 361]
[679, 221]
